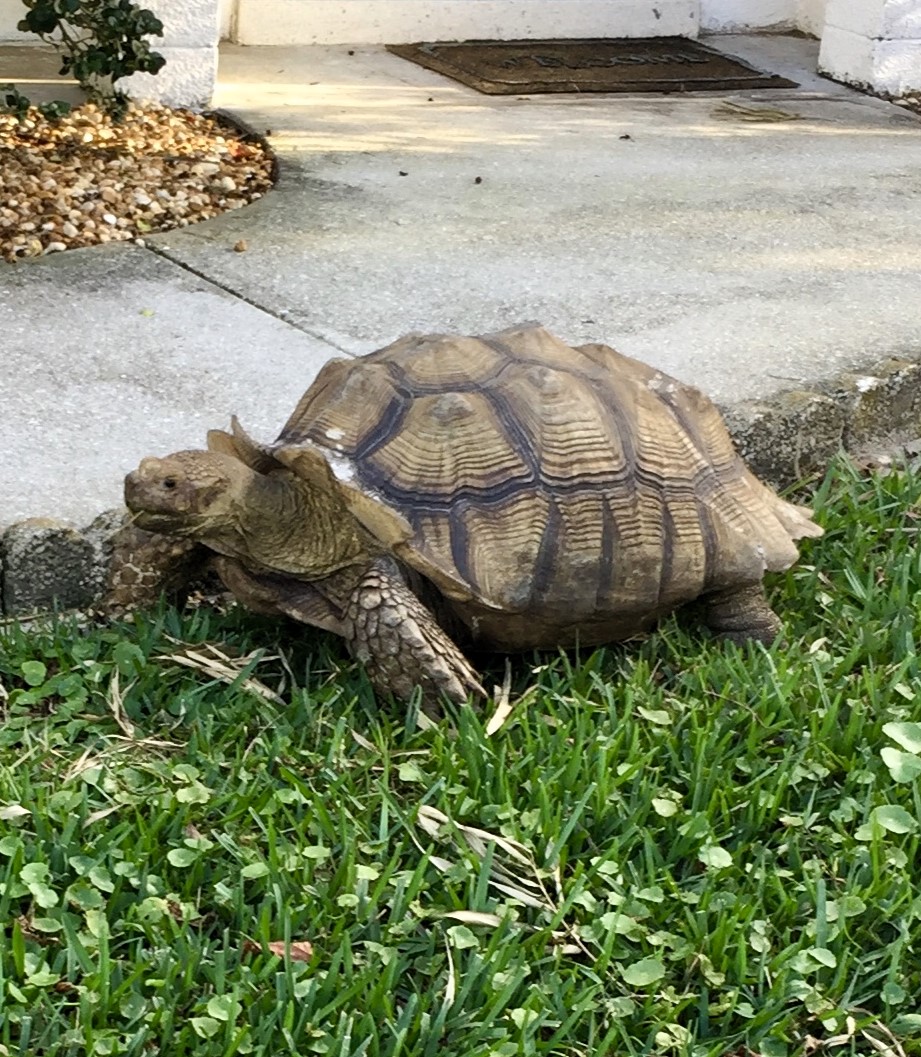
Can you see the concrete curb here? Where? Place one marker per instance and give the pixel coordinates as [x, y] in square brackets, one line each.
[790, 438]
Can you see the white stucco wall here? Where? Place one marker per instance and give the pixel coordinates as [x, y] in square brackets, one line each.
[385, 21]
[189, 45]
[11, 11]
[873, 43]
[389, 21]
[742, 16]
[810, 16]
[737, 16]
[226, 14]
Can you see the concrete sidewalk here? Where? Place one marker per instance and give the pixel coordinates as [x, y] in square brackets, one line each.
[751, 254]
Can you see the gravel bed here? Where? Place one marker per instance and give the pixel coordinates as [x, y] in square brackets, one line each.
[88, 179]
[912, 101]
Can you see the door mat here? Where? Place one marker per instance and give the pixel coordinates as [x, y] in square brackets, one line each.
[526, 67]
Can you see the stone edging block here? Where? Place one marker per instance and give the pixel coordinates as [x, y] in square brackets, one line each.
[46, 563]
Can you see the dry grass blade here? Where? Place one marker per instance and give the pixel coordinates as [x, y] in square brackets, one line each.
[528, 898]
[885, 1048]
[361, 740]
[118, 744]
[850, 1030]
[115, 700]
[889, 1046]
[504, 705]
[431, 819]
[562, 941]
[527, 887]
[525, 890]
[451, 985]
[86, 760]
[288, 676]
[216, 664]
[424, 722]
[13, 811]
[474, 917]
[514, 883]
[103, 812]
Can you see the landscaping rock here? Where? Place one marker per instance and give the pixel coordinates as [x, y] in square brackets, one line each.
[47, 564]
[887, 398]
[789, 439]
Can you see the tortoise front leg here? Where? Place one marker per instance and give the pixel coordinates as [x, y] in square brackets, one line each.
[144, 565]
[401, 644]
[742, 614]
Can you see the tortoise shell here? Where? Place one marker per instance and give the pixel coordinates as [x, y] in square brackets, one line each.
[551, 494]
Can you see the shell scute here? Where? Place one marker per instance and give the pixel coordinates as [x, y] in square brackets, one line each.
[435, 458]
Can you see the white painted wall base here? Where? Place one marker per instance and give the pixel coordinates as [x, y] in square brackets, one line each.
[187, 79]
[189, 45]
[393, 21]
[772, 16]
[890, 67]
[873, 44]
[739, 16]
[810, 16]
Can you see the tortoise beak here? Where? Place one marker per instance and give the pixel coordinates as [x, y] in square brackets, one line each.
[133, 486]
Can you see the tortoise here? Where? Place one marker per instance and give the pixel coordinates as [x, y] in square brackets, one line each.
[505, 492]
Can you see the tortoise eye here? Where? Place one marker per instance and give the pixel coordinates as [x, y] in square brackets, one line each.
[169, 483]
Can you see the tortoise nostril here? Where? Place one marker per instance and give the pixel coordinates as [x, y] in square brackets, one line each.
[169, 483]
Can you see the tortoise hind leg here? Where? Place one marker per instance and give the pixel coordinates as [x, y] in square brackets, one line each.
[741, 614]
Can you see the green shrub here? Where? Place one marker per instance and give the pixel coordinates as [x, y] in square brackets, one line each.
[99, 41]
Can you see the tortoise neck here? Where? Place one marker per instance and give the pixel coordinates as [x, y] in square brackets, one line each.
[288, 525]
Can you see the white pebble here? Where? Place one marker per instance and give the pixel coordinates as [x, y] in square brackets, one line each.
[109, 218]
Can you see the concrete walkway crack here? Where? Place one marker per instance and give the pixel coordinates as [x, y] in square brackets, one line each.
[281, 316]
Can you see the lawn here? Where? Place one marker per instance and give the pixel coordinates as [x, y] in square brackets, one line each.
[213, 840]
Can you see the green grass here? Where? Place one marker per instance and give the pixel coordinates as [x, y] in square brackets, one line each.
[672, 847]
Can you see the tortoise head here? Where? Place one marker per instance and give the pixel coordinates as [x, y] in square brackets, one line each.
[189, 493]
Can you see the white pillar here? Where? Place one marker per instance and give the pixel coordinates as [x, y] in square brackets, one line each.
[189, 45]
[874, 44]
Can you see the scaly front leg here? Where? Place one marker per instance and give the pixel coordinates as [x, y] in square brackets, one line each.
[144, 565]
[401, 644]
